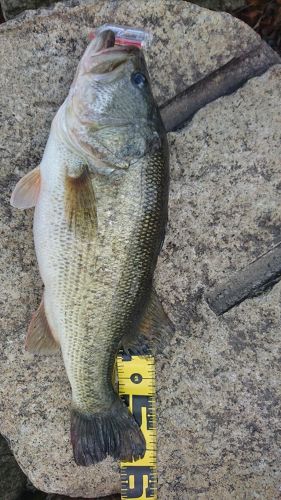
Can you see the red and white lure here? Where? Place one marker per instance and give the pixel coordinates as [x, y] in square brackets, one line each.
[126, 35]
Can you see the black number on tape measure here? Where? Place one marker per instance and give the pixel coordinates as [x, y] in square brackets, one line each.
[140, 402]
[141, 475]
[136, 378]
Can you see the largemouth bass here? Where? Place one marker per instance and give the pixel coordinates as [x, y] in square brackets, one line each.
[100, 197]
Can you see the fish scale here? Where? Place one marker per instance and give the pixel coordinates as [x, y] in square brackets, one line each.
[88, 319]
[134, 267]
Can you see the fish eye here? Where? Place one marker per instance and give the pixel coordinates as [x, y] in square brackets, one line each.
[138, 79]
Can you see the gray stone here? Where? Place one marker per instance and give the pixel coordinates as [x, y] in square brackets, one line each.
[227, 5]
[217, 383]
[63, 497]
[12, 8]
[194, 41]
[12, 479]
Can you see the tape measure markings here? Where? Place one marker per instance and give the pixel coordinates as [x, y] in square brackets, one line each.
[137, 387]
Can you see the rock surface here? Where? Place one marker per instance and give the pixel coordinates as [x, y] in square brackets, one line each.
[218, 382]
[227, 5]
[12, 8]
[12, 479]
[62, 497]
[219, 386]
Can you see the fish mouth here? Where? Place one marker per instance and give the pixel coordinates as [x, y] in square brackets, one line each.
[105, 42]
[103, 57]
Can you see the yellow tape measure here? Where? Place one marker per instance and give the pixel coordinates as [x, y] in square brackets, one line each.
[136, 376]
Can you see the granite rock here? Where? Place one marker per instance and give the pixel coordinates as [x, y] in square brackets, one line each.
[219, 386]
[12, 8]
[63, 497]
[227, 5]
[12, 479]
[217, 383]
[195, 42]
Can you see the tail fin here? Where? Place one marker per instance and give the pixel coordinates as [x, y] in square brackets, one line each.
[96, 435]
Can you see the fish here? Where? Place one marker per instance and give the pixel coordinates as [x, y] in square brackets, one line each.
[101, 208]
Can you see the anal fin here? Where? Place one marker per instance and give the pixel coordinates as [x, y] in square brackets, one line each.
[39, 336]
[153, 332]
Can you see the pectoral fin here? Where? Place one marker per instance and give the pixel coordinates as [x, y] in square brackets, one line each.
[39, 336]
[27, 190]
[80, 205]
[153, 332]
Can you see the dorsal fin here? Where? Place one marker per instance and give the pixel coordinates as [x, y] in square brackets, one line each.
[39, 336]
[80, 205]
[27, 190]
